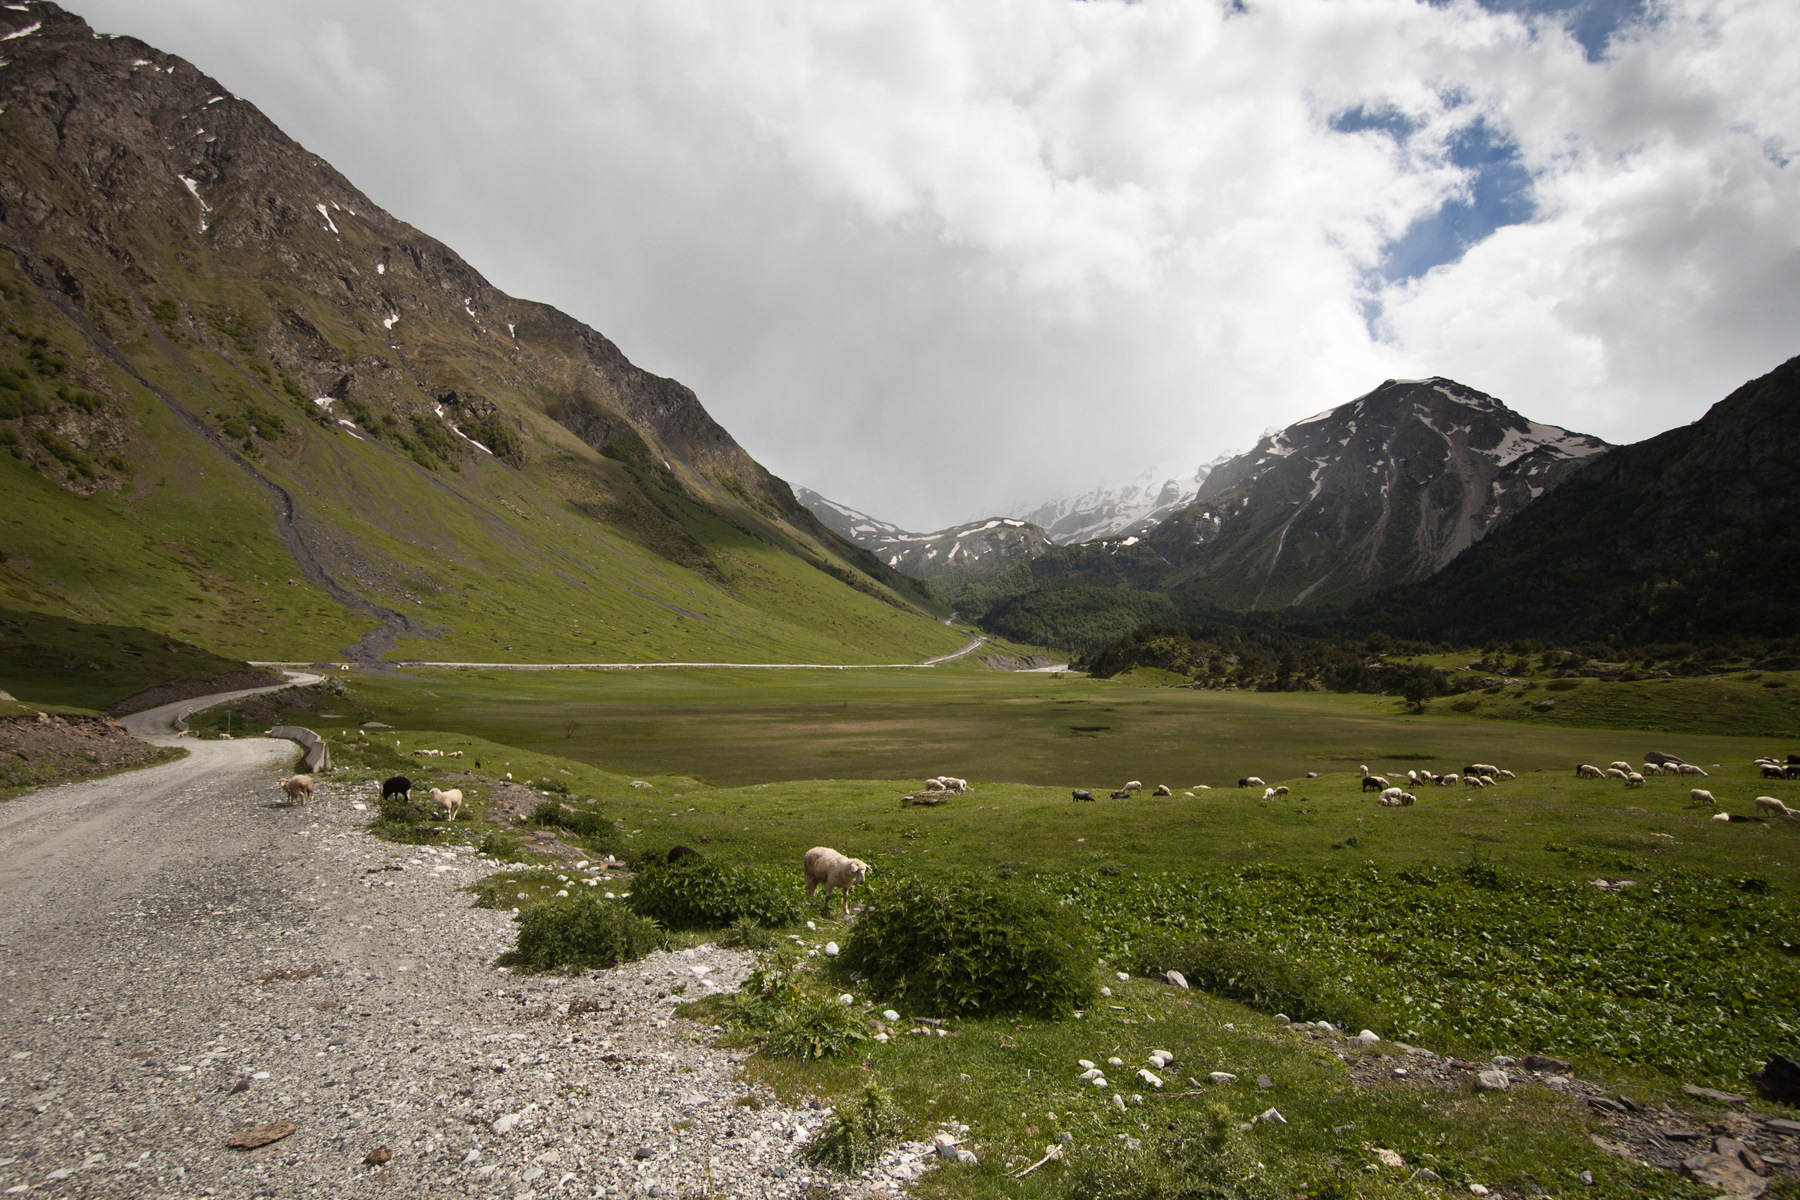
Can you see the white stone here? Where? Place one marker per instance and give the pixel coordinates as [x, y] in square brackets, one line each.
[1368, 1035]
[1150, 1078]
[811, 926]
[846, 999]
[1491, 1081]
[1272, 1117]
[1106, 991]
[1122, 977]
[1092, 1073]
[1477, 1189]
[1084, 1064]
[1115, 1062]
[1118, 1102]
[504, 1125]
[888, 1014]
[1100, 1081]
[831, 949]
[1222, 1077]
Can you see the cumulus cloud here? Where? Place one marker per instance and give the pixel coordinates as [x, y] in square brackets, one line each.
[926, 256]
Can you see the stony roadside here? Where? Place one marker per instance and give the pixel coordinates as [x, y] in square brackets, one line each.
[205, 961]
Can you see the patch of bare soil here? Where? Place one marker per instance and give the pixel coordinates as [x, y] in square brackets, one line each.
[187, 689]
[47, 748]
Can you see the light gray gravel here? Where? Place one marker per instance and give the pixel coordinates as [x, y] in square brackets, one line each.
[181, 958]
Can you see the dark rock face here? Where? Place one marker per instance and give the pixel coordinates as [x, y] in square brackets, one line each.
[1689, 535]
[1386, 489]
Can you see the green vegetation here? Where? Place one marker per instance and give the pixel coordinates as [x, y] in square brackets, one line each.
[1263, 979]
[972, 944]
[582, 932]
[61, 661]
[703, 893]
[861, 1128]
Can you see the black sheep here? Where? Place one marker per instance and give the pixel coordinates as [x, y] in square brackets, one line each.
[681, 852]
[399, 786]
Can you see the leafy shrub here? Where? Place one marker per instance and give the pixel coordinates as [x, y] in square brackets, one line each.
[582, 932]
[746, 934]
[503, 846]
[790, 1021]
[812, 1028]
[979, 944]
[596, 827]
[1204, 1159]
[1253, 976]
[860, 1129]
[699, 893]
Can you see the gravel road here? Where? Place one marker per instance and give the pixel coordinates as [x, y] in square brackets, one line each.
[182, 958]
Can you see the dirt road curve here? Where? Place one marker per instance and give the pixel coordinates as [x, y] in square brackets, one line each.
[181, 958]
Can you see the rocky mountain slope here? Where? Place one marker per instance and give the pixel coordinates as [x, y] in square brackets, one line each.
[224, 370]
[1124, 510]
[977, 548]
[1386, 489]
[1690, 536]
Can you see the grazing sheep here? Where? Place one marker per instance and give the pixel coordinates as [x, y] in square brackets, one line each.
[1651, 769]
[1133, 786]
[1312, 774]
[1392, 793]
[1633, 779]
[1702, 796]
[454, 754]
[450, 801]
[1506, 775]
[1770, 804]
[1615, 773]
[1691, 769]
[1251, 781]
[1121, 794]
[1771, 771]
[825, 865]
[399, 786]
[299, 788]
[677, 853]
[935, 785]
[1479, 780]
[1081, 794]
[1162, 789]
[1412, 777]
[1375, 783]
[1398, 799]
[1621, 766]
[1480, 769]
[1450, 780]
[948, 783]
[1280, 791]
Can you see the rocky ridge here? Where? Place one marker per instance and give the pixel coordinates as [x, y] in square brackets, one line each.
[979, 547]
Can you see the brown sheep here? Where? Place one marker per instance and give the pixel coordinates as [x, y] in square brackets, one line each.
[299, 788]
[825, 865]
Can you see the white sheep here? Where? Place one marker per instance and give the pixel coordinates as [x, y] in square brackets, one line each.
[1615, 773]
[1477, 780]
[1701, 796]
[825, 865]
[1412, 777]
[1507, 775]
[1633, 779]
[299, 788]
[1621, 766]
[1268, 793]
[1133, 786]
[1691, 769]
[1162, 789]
[450, 801]
[1589, 771]
[1392, 793]
[1775, 807]
[1450, 780]
[1280, 791]
[1651, 769]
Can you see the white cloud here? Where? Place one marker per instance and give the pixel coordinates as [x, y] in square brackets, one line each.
[925, 255]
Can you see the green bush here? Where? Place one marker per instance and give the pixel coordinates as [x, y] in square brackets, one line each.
[978, 944]
[501, 890]
[1201, 1159]
[594, 826]
[812, 1027]
[746, 934]
[582, 932]
[860, 1129]
[700, 893]
[1256, 977]
[502, 846]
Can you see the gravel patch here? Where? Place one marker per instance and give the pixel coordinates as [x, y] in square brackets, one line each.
[187, 962]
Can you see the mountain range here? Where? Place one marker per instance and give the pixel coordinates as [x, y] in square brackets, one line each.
[980, 547]
[1121, 510]
[242, 405]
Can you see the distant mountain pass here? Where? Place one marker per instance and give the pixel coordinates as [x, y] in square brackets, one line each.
[979, 547]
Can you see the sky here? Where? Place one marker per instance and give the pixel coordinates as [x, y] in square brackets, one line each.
[938, 259]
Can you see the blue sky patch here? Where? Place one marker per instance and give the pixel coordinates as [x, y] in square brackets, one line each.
[1499, 195]
[1590, 22]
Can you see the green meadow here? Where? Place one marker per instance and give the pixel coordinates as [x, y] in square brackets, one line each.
[1470, 923]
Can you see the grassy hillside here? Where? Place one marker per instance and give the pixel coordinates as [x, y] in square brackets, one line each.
[257, 412]
[63, 664]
